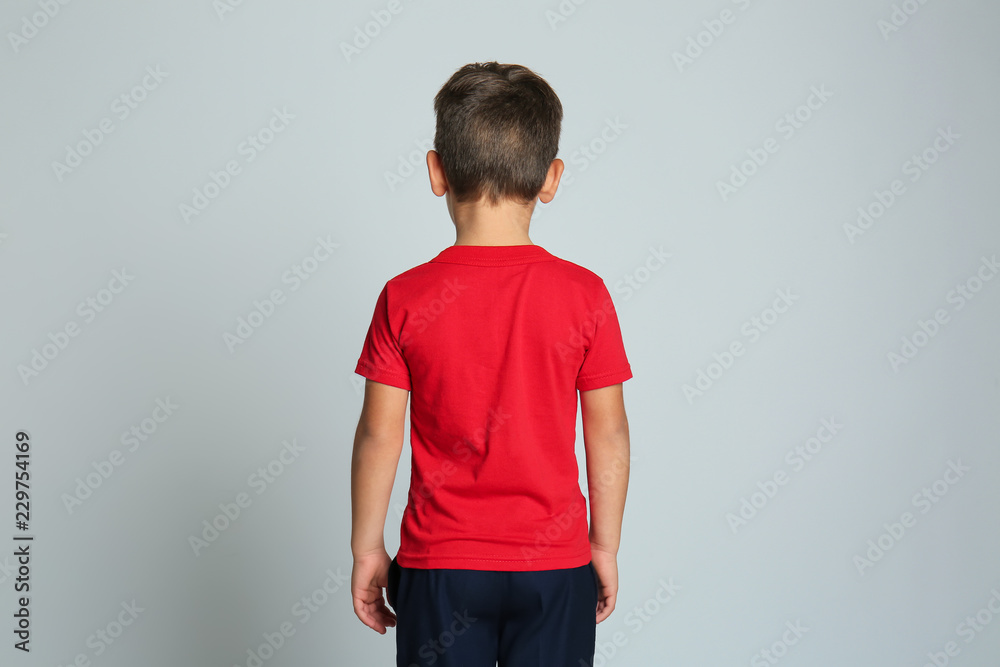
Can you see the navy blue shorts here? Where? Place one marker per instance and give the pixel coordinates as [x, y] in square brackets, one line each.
[479, 618]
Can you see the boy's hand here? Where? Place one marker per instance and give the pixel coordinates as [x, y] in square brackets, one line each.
[368, 577]
[606, 564]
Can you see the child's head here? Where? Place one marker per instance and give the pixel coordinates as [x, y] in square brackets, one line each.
[497, 132]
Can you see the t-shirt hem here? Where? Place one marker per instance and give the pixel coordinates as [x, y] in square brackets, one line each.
[604, 379]
[376, 374]
[492, 564]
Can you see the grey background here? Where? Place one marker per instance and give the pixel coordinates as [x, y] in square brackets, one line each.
[653, 186]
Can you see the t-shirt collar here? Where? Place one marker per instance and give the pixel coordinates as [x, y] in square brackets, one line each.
[493, 255]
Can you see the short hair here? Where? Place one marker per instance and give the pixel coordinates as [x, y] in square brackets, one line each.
[497, 132]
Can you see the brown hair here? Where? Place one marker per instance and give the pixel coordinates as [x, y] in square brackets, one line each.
[497, 132]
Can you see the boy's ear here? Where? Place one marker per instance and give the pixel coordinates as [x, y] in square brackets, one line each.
[548, 191]
[435, 170]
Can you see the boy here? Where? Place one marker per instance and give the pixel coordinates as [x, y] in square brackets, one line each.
[490, 341]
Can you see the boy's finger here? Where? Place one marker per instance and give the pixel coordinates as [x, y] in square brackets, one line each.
[605, 607]
[387, 618]
[373, 623]
[366, 617]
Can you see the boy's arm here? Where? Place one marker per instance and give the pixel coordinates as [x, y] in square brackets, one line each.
[378, 442]
[605, 437]
[606, 440]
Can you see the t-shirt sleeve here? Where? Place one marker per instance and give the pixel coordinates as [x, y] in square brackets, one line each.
[604, 360]
[382, 357]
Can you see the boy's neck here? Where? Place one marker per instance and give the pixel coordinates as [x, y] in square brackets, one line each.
[478, 224]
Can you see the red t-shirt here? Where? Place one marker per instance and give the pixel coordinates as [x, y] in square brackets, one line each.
[493, 342]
